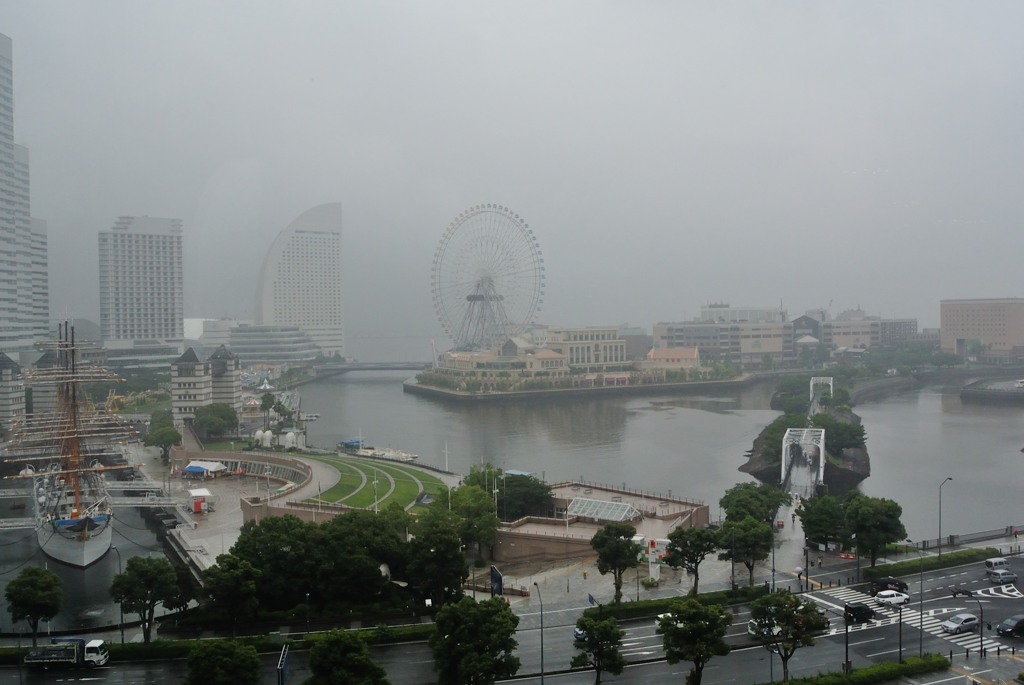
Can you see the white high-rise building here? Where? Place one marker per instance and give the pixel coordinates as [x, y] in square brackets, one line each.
[24, 290]
[300, 283]
[141, 282]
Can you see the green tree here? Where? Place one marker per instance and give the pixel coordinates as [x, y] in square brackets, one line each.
[786, 622]
[146, 582]
[266, 404]
[875, 522]
[231, 587]
[616, 552]
[35, 595]
[163, 437]
[823, 519]
[687, 548]
[694, 632]
[478, 521]
[759, 501]
[437, 567]
[600, 647]
[523, 495]
[216, 419]
[747, 542]
[188, 589]
[288, 553]
[223, 662]
[474, 642]
[343, 657]
[283, 411]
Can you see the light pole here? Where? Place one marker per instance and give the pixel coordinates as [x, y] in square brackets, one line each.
[375, 490]
[900, 619]
[948, 478]
[981, 619]
[307, 613]
[120, 604]
[541, 599]
[920, 601]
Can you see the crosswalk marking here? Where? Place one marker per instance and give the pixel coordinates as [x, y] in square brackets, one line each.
[933, 618]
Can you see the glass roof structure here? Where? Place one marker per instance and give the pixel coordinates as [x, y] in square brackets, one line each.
[602, 510]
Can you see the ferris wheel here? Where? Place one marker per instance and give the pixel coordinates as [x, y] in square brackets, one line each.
[488, 277]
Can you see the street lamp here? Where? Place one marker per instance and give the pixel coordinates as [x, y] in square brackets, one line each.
[920, 601]
[900, 619]
[307, 613]
[955, 591]
[541, 599]
[120, 604]
[948, 478]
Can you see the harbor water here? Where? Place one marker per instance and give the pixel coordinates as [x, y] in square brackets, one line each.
[681, 445]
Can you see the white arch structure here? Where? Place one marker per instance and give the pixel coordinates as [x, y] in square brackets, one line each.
[804, 437]
[820, 380]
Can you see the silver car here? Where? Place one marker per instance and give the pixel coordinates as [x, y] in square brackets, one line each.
[960, 623]
[1002, 576]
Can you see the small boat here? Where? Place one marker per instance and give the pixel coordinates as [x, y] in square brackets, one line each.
[359, 448]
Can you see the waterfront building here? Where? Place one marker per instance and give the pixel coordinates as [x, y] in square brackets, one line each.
[726, 313]
[672, 359]
[988, 330]
[142, 291]
[24, 282]
[195, 383]
[300, 284]
[594, 348]
[740, 344]
[191, 386]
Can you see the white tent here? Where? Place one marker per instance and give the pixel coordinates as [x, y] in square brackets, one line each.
[206, 467]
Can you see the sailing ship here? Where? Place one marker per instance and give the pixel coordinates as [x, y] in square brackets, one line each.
[67, 446]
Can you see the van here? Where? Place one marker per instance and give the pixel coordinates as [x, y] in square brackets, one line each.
[996, 563]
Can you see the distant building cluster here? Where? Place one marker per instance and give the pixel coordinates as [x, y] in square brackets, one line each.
[740, 338]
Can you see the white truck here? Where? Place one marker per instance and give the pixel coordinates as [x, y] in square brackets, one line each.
[69, 651]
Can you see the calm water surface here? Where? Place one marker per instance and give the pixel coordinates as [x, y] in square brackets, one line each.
[689, 446]
[692, 446]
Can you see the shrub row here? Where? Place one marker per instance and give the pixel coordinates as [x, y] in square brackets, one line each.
[652, 607]
[911, 566]
[879, 673]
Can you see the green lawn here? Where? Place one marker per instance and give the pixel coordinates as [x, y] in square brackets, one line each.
[396, 482]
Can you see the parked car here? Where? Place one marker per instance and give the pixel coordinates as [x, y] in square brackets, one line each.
[578, 634]
[1012, 627]
[755, 629]
[891, 598]
[887, 583]
[1002, 576]
[858, 612]
[959, 623]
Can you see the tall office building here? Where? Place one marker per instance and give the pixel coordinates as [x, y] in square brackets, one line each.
[300, 283]
[24, 291]
[142, 284]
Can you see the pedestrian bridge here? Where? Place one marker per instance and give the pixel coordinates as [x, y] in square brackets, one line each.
[335, 368]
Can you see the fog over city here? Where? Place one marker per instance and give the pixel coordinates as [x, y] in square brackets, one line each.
[666, 155]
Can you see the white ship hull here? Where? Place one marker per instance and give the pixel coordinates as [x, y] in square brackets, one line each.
[81, 550]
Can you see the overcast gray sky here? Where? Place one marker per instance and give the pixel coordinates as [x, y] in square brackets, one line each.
[666, 154]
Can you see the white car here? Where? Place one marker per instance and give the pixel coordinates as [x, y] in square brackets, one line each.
[961, 623]
[891, 598]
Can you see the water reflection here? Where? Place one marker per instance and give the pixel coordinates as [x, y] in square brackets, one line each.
[87, 602]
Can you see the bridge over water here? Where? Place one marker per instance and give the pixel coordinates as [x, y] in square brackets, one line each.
[335, 368]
